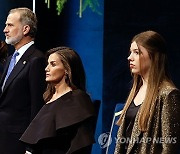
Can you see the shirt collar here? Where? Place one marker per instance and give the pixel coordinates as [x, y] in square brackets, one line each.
[24, 48]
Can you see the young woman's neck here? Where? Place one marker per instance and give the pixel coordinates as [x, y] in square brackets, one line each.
[144, 80]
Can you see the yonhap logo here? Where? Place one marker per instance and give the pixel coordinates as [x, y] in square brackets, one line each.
[104, 140]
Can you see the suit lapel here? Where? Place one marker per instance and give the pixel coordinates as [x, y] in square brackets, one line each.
[5, 70]
[19, 66]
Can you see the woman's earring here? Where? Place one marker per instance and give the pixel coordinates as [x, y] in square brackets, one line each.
[66, 75]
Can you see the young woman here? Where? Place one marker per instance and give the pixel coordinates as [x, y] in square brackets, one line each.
[150, 121]
[64, 124]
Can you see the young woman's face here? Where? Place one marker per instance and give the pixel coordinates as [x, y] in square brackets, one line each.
[139, 60]
[55, 71]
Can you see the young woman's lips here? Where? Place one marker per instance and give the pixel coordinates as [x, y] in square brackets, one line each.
[131, 66]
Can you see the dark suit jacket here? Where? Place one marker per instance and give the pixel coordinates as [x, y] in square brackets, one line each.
[21, 98]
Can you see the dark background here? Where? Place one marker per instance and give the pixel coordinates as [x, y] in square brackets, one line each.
[122, 20]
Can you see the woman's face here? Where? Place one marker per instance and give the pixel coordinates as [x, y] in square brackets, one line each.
[139, 60]
[55, 71]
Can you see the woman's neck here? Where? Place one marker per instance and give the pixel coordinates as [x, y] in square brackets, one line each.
[60, 90]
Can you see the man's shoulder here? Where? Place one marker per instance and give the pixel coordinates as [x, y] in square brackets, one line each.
[36, 52]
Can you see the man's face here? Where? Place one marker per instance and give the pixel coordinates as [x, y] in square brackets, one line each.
[13, 29]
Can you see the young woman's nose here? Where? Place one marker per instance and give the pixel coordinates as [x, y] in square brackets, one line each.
[130, 58]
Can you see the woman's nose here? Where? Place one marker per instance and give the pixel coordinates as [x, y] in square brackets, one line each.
[46, 69]
[129, 57]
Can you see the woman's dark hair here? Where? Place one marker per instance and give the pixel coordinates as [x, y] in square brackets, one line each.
[75, 76]
[3, 51]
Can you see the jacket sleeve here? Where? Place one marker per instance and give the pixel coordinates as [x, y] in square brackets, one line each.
[171, 123]
[37, 84]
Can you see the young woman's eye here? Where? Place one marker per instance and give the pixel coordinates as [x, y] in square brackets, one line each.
[136, 52]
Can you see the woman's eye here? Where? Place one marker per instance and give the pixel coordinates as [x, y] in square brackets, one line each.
[52, 64]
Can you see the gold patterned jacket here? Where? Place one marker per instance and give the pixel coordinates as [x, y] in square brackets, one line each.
[163, 132]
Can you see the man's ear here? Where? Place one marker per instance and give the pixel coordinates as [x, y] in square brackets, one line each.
[26, 29]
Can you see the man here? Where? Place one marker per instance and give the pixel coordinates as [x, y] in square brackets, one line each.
[22, 89]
